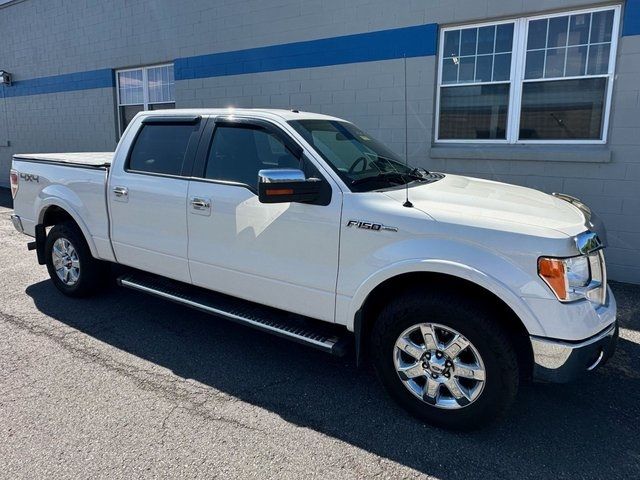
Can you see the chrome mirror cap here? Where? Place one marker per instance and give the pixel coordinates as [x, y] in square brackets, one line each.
[281, 175]
[588, 242]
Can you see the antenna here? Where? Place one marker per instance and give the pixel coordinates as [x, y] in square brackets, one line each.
[407, 203]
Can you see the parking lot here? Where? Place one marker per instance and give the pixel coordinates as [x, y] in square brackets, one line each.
[125, 385]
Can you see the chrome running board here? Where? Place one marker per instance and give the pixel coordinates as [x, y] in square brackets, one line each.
[321, 335]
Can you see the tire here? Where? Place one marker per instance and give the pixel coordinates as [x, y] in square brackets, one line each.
[479, 402]
[85, 275]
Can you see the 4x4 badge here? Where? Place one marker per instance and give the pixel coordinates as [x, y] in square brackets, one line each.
[371, 226]
[29, 177]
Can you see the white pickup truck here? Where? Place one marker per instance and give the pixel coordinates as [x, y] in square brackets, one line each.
[302, 225]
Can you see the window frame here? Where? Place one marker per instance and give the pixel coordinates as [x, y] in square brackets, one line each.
[517, 79]
[145, 90]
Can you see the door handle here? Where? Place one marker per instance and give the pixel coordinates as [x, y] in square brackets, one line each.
[120, 191]
[200, 204]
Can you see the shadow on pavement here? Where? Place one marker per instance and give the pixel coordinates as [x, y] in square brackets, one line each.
[5, 198]
[588, 429]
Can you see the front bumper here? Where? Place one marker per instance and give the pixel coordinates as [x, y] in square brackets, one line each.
[561, 361]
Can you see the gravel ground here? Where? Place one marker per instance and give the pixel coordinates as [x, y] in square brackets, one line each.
[124, 385]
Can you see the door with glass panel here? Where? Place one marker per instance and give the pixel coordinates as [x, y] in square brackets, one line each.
[148, 197]
[284, 255]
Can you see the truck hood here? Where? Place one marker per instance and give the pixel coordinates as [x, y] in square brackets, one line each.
[459, 199]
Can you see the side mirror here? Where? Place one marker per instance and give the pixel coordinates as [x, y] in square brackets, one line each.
[282, 185]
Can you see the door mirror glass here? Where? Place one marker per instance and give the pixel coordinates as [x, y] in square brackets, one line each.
[282, 185]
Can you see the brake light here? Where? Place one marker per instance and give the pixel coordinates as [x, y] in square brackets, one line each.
[13, 175]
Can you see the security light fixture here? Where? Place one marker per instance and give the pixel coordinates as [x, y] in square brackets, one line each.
[5, 78]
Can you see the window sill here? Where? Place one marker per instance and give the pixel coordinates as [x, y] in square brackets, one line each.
[529, 153]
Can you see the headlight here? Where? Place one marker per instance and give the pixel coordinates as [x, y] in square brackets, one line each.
[575, 277]
[578, 273]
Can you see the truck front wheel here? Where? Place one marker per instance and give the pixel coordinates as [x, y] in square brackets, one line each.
[71, 266]
[445, 359]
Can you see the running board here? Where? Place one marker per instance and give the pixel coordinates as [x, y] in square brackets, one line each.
[314, 333]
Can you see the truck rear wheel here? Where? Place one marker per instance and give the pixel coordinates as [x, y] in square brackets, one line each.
[71, 266]
[446, 360]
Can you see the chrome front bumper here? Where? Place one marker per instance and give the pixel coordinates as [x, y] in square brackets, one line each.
[560, 361]
[17, 223]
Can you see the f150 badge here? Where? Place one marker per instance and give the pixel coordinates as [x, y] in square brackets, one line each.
[371, 226]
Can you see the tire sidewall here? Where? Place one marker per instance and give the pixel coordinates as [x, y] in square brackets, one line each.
[71, 234]
[478, 327]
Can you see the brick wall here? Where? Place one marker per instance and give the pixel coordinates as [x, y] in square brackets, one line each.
[69, 121]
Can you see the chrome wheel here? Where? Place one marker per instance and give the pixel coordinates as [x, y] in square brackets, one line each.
[439, 365]
[65, 261]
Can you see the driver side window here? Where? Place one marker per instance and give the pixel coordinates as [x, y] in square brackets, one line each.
[238, 153]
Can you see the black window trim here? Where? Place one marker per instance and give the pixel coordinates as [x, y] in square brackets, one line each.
[189, 157]
[171, 120]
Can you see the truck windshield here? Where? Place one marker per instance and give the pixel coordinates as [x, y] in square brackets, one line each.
[362, 162]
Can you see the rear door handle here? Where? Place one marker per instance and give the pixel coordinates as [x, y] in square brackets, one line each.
[201, 206]
[121, 193]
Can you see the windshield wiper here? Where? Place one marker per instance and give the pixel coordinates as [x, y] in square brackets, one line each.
[416, 173]
[421, 172]
[401, 178]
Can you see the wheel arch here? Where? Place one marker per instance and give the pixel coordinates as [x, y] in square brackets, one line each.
[55, 210]
[509, 318]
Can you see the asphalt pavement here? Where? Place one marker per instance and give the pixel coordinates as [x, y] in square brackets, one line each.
[124, 385]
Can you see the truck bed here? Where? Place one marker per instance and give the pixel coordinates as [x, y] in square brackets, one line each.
[79, 159]
[76, 183]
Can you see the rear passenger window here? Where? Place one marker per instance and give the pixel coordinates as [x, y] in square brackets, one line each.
[237, 154]
[161, 148]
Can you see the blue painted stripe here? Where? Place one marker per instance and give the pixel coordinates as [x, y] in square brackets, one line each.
[631, 19]
[415, 41]
[61, 83]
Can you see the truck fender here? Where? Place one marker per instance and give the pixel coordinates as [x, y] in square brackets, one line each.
[64, 198]
[488, 282]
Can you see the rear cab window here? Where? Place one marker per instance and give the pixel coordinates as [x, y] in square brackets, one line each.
[161, 148]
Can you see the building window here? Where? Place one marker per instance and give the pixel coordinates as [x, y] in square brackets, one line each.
[144, 88]
[545, 79]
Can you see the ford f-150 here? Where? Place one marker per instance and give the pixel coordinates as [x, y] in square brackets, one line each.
[457, 289]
